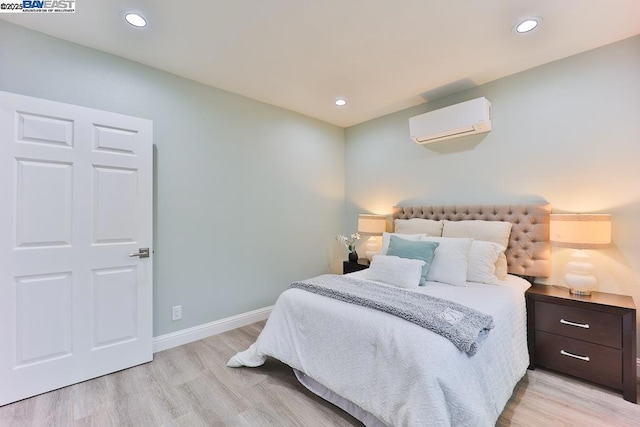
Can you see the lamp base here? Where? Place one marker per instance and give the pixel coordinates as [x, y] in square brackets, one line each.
[373, 248]
[579, 278]
[579, 292]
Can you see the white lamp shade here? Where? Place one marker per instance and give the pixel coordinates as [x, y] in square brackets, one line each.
[580, 231]
[372, 225]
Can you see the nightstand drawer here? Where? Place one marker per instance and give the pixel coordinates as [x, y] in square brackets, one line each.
[603, 367]
[586, 325]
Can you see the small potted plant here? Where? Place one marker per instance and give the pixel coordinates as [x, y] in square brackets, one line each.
[349, 243]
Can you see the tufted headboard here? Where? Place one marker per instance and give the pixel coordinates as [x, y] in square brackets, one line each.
[529, 250]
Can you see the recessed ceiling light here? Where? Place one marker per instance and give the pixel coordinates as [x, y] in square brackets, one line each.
[136, 19]
[526, 25]
[341, 102]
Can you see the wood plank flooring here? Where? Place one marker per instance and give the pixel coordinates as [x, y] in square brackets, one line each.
[191, 386]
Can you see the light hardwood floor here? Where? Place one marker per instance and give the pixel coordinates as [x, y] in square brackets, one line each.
[191, 386]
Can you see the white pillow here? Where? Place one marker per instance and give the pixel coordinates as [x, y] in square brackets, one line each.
[429, 227]
[489, 231]
[482, 262]
[449, 264]
[386, 236]
[396, 271]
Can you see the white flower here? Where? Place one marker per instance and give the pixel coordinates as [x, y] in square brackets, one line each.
[348, 242]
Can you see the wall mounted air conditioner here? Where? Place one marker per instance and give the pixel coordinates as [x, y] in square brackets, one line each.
[466, 118]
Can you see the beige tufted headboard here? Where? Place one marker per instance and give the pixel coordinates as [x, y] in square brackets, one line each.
[529, 250]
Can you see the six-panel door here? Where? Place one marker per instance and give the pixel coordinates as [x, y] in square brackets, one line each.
[75, 202]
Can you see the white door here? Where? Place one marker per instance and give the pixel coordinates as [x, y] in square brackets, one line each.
[75, 202]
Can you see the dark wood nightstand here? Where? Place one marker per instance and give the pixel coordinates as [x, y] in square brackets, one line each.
[589, 337]
[350, 267]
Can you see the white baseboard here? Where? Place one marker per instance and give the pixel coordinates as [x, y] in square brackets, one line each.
[185, 336]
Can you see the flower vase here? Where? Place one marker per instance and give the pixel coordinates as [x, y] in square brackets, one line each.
[353, 256]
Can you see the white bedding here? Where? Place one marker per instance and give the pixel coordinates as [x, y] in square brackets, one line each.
[387, 371]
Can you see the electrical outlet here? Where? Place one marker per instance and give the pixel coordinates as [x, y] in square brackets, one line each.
[176, 312]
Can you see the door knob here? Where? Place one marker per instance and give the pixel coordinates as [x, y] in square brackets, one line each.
[142, 253]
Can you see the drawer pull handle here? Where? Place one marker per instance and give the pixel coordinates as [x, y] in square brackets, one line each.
[575, 356]
[579, 325]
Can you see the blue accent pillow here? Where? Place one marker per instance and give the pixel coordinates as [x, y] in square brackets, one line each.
[413, 250]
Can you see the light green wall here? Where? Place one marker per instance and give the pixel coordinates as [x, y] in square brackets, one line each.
[248, 196]
[567, 132]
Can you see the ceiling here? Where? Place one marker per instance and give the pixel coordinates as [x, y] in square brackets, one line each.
[382, 56]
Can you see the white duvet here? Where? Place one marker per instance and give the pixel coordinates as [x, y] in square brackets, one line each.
[387, 371]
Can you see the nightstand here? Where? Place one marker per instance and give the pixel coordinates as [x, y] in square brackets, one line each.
[350, 267]
[589, 337]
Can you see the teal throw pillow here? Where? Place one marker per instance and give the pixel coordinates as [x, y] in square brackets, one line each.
[413, 250]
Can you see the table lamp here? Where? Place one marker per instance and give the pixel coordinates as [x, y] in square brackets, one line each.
[580, 231]
[372, 226]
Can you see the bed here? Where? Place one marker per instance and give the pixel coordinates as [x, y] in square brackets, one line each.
[386, 371]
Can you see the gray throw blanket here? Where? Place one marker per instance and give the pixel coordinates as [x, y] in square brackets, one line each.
[465, 327]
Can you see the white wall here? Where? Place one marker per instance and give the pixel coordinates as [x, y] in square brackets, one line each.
[248, 197]
[567, 132]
